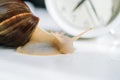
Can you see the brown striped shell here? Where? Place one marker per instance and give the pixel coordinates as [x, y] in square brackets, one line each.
[16, 23]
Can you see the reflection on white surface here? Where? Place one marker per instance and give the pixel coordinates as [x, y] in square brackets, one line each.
[91, 61]
[85, 64]
[115, 51]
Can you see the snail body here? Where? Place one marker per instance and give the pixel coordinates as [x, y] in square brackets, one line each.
[18, 28]
[49, 43]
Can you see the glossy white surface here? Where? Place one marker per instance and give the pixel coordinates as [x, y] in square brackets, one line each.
[88, 62]
[94, 59]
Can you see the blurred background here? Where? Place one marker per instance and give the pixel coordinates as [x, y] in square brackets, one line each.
[37, 3]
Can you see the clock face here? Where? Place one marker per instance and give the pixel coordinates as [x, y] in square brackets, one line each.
[85, 13]
[82, 14]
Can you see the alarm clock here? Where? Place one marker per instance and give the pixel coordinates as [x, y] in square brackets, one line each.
[75, 16]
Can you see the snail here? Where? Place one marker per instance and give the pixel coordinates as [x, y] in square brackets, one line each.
[18, 28]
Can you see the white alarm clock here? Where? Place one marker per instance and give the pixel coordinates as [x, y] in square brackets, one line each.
[75, 16]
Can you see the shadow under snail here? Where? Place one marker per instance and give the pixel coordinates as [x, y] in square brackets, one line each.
[18, 28]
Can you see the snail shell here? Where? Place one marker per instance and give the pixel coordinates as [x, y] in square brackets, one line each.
[16, 23]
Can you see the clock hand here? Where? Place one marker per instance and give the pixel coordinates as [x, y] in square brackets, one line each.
[92, 6]
[78, 5]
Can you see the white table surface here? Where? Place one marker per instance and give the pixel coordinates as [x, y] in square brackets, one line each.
[93, 59]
